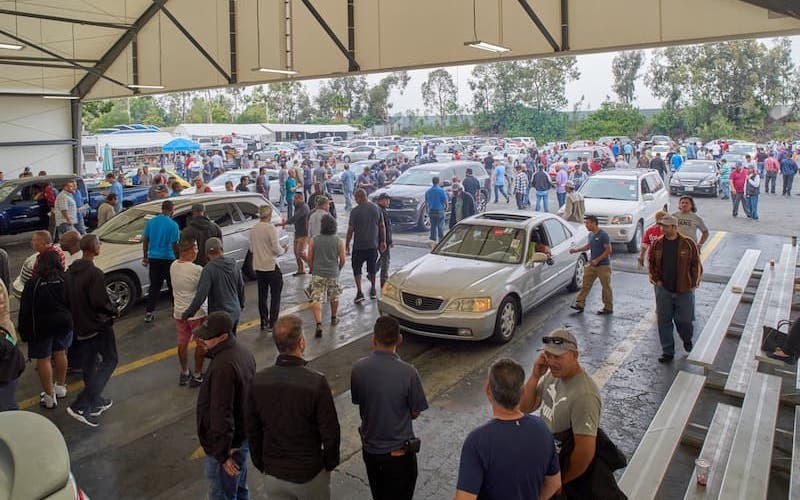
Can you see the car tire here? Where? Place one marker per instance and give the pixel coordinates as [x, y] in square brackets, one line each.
[122, 290]
[424, 222]
[635, 244]
[257, 157]
[577, 276]
[484, 199]
[346, 159]
[506, 322]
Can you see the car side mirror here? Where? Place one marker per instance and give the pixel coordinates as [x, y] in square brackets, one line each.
[446, 184]
[538, 257]
[647, 197]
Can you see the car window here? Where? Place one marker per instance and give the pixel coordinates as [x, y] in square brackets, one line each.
[220, 214]
[645, 188]
[125, 228]
[489, 243]
[605, 188]
[654, 183]
[249, 210]
[555, 232]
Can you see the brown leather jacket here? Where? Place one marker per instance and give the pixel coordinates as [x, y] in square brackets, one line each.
[690, 268]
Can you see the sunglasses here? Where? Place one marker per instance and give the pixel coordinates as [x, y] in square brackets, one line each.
[557, 341]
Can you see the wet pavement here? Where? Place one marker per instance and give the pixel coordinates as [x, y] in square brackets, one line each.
[146, 446]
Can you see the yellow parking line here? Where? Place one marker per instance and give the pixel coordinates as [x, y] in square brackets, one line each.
[153, 358]
[711, 244]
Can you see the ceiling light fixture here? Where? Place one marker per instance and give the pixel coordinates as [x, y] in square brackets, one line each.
[288, 71]
[11, 46]
[60, 96]
[274, 70]
[490, 47]
[137, 86]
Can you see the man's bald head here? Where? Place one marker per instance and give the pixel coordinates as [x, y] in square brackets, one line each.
[71, 241]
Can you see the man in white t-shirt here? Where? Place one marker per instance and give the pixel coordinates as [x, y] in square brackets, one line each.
[185, 275]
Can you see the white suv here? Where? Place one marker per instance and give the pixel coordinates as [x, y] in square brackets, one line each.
[625, 202]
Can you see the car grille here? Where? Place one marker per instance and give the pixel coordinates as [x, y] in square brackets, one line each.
[421, 303]
[602, 220]
[396, 204]
[440, 330]
[689, 182]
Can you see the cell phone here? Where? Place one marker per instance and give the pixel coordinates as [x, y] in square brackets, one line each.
[412, 445]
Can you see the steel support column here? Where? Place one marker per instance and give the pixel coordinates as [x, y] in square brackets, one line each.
[196, 44]
[539, 24]
[76, 112]
[353, 65]
[351, 29]
[232, 28]
[564, 25]
[135, 62]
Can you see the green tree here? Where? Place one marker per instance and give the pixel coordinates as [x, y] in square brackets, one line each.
[198, 110]
[612, 119]
[94, 109]
[379, 104]
[253, 113]
[344, 98]
[147, 110]
[440, 94]
[625, 68]
[116, 115]
[284, 102]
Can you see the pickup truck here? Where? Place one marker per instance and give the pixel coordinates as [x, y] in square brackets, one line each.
[131, 195]
[20, 212]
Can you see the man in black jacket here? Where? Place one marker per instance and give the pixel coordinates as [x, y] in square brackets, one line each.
[292, 426]
[200, 228]
[462, 205]
[385, 258]
[221, 408]
[93, 316]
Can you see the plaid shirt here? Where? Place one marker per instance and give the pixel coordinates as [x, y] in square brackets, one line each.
[521, 183]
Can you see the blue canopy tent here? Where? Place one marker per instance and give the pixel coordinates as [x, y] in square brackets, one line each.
[180, 144]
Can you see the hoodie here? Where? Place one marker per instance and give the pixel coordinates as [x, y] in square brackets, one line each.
[92, 309]
[222, 284]
[201, 229]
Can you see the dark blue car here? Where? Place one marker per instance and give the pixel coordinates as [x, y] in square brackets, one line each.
[20, 212]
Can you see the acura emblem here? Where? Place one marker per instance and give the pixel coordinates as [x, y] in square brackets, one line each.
[418, 302]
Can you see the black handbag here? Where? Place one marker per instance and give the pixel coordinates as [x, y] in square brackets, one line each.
[774, 338]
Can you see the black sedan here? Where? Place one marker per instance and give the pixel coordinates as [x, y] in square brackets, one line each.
[696, 177]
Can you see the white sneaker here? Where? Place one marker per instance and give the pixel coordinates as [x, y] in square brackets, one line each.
[60, 391]
[47, 401]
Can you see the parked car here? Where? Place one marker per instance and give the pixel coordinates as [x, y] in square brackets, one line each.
[359, 153]
[20, 212]
[625, 202]
[34, 459]
[407, 209]
[594, 153]
[217, 184]
[131, 196]
[121, 259]
[744, 148]
[497, 280]
[696, 177]
[662, 139]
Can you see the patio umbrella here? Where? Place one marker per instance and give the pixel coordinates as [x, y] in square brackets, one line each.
[180, 144]
[108, 161]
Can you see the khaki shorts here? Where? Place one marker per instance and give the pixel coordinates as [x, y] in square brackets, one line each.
[324, 286]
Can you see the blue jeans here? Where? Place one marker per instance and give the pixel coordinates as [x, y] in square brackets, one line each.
[437, 224]
[221, 486]
[499, 189]
[726, 190]
[348, 200]
[752, 206]
[8, 395]
[543, 197]
[674, 308]
[520, 197]
[562, 198]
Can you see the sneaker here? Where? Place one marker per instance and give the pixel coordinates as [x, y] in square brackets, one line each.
[318, 331]
[105, 404]
[359, 298]
[149, 317]
[603, 312]
[184, 378]
[665, 358]
[196, 381]
[334, 320]
[60, 391]
[577, 308]
[687, 346]
[373, 294]
[83, 417]
[48, 401]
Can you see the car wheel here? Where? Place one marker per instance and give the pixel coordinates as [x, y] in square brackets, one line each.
[635, 243]
[122, 291]
[577, 277]
[257, 157]
[484, 199]
[346, 159]
[506, 323]
[424, 223]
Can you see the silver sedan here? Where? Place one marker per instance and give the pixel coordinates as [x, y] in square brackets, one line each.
[487, 271]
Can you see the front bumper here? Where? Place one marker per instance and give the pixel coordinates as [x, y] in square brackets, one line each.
[404, 218]
[619, 233]
[443, 325]
[690, 190]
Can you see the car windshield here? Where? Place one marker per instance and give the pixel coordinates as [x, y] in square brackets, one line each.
[6, 190]
[575, 155]
[489, 243]
[609, 189]
[660, 138]
[742, 148]
[414, 177]
[220, 180]
[125, 228]
[699, 168]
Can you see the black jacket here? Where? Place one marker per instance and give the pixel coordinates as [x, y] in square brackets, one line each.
[471, 185]
[292, 426]
[221, 401]
[467, 208]
[387, 224]
[597, 482]
[43, 310]
[541, 180]
[92, 309]
[658, 165]
[12, 362]
[201, 229]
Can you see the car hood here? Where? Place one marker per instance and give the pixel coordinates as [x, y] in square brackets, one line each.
[403, 191]
[115, 256]
[597, 206]
[433, 275]
[693, 176]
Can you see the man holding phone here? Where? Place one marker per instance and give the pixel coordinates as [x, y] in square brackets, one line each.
[389, 394]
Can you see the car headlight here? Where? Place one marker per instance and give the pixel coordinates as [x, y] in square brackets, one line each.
[390, 291]
[622, 219]
[409, 202]
[675, 182]
[474, 304]
[705, 183]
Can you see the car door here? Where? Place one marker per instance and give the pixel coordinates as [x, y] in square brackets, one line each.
[541, 275]
[660, 193]
[225, 215]
[560, 241]
[25, 213]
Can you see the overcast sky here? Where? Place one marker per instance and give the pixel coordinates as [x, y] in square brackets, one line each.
[594, 84]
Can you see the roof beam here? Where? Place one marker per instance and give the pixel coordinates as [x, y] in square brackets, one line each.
[87, 82]
[539, 24]
[34, 64]
[353, 65]
[59, 57]
[196, 44]
[70, 20]
[786, 7]
[232, 30]
[564, 25]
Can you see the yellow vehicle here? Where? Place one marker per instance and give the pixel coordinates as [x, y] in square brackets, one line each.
[130, 173]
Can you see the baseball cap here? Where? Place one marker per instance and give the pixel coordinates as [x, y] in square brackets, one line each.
[217, 323]
[738, 164]
[560, 341]
[668, 220]
[198, 207]
[569, 184]
[213, 245]
[383, 196]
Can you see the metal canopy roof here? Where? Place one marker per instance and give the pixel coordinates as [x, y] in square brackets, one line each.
[95, 48]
